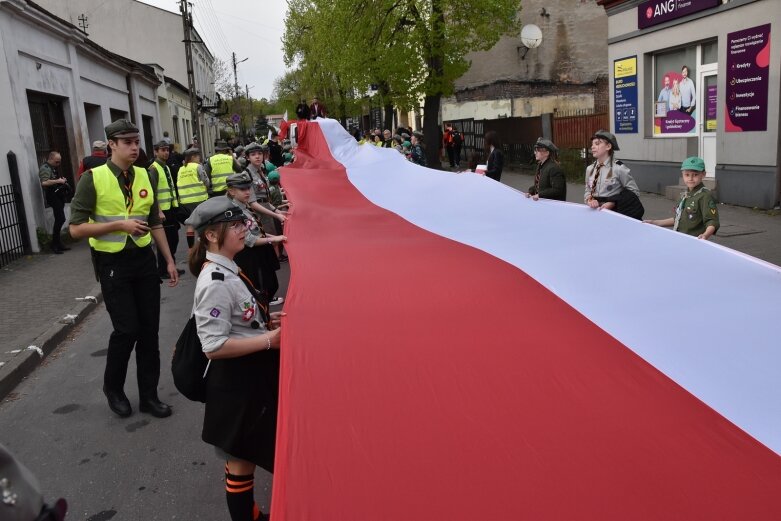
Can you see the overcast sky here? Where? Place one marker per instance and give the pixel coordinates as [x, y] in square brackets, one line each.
[250, 28]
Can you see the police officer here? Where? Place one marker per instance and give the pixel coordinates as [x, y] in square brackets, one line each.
[115, 207]
[549, 181]
[609, 185]
[192, 185]
[168, 201]
[219, 167]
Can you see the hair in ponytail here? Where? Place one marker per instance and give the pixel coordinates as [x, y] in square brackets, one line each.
[197, 254]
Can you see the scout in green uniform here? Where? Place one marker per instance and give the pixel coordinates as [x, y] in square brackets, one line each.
[697, 213]
[168, 202]
[115, 207]
[549, 182]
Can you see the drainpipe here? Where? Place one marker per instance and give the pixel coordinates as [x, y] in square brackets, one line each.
[131, 100]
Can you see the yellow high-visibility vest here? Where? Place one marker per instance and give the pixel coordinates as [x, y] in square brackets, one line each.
[222, 167]
[110, 207]
[166, 197]
[191, 188]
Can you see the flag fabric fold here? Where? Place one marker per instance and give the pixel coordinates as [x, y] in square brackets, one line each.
[454, 350]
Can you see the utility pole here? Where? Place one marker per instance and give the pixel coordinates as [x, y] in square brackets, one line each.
[187, 24]
[235, 76]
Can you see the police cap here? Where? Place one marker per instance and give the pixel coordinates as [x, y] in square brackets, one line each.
[607, 136]
[546, 144]
[240, 180]
[252, 147]
[693, 163]
[121, 128]
[212, 211]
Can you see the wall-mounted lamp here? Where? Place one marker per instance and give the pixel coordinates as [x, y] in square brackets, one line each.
[531, 38]
[544, 12]
[38, 66]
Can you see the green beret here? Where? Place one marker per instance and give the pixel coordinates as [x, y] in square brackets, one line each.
[212, 211]
[273, 176]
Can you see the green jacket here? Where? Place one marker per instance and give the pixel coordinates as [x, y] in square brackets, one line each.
[550, 182]
[696, 211]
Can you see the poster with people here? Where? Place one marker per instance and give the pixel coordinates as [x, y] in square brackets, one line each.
[675, 107]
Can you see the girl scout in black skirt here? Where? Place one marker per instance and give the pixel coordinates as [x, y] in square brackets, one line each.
[241, 341]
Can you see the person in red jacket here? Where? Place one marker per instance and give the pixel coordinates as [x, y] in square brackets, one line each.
[97, 158]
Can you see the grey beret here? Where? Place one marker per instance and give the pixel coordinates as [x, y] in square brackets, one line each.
[240, 180]
[547, 144]
[252, 147]
[607, 136]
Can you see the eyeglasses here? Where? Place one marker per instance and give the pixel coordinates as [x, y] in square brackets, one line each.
[239, 226]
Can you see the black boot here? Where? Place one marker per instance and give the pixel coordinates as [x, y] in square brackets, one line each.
[118, 402]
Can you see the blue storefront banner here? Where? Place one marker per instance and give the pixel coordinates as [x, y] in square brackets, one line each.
[625, 95]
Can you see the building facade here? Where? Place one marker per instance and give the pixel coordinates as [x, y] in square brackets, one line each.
[566, 73]
[59, 90]
[116, 24]
[698, 77]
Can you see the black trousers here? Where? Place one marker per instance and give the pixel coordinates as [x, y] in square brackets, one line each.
[58, 207]
[171, 229]
[131, 291]
[451, 155]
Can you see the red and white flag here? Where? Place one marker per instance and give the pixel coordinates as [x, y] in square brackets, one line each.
[454, 350]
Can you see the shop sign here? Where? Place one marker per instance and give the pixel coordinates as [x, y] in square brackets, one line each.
[748, 75]
[625, 95]
[652, 12]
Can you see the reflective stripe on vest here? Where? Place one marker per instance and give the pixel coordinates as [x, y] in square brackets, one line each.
[191, 189]
[110, 207]
[222, 167]
[166, 198]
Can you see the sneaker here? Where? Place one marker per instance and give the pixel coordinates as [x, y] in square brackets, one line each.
[276, 302]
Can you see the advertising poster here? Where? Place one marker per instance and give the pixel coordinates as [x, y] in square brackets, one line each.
[675, 108]
[748, 73]
[625, 95]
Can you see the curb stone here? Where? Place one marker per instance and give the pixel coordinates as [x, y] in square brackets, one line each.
[16, 370]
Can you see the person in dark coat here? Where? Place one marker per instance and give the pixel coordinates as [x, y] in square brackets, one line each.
[495, 162]
[549, 181]
[98, 157]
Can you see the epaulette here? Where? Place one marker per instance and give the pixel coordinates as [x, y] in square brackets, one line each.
[216, 275]
[619, 162]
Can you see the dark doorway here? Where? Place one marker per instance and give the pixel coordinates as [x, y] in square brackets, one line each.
[49, 132]
[117, 114]
[147, 123]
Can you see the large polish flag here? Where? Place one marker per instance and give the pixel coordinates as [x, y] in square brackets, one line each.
[455, 351]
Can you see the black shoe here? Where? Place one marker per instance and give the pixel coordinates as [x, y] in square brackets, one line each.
[155, 407]
[57, 251]
[118, 403]
[64, 248]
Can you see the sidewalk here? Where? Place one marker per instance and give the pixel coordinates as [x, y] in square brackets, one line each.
[40, 303]
[754, 232]
[40, 307]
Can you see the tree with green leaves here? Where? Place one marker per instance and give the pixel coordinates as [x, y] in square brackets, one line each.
[412, 49]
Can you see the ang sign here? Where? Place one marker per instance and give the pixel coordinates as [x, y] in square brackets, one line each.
[652, 12]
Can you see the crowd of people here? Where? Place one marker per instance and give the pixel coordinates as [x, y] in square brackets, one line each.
[234, 210]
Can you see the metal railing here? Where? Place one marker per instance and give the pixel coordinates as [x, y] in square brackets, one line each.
[12, 244]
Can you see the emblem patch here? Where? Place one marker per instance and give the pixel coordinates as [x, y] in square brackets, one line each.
[215, 312]
[143, 193]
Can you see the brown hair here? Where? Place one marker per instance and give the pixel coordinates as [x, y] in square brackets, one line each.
[197, 254]
[491, 138]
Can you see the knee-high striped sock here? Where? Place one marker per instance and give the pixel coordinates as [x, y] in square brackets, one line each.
[239, 494]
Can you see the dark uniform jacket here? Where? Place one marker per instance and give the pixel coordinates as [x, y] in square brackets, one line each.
[495, 164]
[552, 183]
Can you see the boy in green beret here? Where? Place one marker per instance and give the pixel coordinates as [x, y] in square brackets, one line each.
[697, 213]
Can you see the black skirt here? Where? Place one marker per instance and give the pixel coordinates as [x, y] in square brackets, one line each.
[242, 395]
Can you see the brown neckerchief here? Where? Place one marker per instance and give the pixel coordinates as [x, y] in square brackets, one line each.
[598, 167]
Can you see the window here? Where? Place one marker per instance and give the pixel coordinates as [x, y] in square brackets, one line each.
[710, 52]
[675, 93]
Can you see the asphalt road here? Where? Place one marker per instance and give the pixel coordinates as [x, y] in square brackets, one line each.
[138, 468]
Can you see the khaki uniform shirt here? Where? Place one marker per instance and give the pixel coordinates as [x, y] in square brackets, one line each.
[613, 178]
[696, 211]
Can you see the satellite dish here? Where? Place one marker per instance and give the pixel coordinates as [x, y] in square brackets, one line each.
[531, 36]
